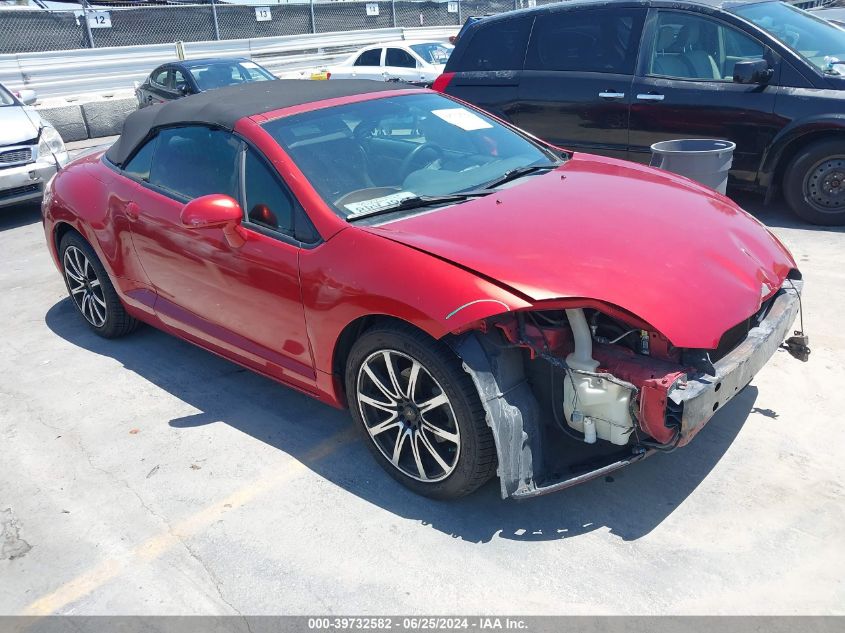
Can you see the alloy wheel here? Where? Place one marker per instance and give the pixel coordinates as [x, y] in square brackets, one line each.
[84, 286]
[408, 416]
[824, 186]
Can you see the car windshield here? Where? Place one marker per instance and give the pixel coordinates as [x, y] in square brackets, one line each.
[818, 41]
[219, 74]
[378, 154]
[5, 98]
[433, 52]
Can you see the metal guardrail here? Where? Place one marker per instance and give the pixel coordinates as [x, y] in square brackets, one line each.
[103, 70]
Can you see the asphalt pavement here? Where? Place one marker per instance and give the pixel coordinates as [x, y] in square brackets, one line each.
[146, 476]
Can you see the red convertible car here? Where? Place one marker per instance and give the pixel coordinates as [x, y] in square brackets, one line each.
[483, 303]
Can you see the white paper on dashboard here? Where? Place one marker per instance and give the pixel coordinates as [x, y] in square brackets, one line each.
[462, 118]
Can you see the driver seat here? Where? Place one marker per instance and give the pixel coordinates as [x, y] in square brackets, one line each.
[702, 63]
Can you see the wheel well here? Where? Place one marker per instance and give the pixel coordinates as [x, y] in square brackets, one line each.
[353, 331]
[61, 229]
[800, 144]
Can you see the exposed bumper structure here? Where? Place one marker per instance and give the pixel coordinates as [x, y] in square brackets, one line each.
[705, 395]
[515, 419]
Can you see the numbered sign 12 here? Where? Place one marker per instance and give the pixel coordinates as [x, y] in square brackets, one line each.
[262, 14]
[99, 20]
[372, 8]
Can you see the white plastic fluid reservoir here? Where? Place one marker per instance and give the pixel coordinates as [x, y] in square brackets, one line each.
[605, 402]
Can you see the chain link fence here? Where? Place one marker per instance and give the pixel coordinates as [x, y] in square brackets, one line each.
[24, 29]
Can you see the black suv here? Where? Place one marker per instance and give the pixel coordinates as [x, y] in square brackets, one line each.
[613, 77]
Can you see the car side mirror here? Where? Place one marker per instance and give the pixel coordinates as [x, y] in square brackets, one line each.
[755, 71]
[27, 97]
[215, 211]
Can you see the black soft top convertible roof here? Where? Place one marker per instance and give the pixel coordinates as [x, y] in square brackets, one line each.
[224, 107]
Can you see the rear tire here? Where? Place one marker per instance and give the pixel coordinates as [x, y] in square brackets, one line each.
[91, 290]
[421, 414]
[814, 183]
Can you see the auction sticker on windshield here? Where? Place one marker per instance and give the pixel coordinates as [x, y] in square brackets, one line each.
[377, 204]
[462, 118]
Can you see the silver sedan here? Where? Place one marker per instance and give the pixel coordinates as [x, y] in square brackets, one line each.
[31, 150]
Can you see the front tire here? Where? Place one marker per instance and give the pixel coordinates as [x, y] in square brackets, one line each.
[91, 290]
[814, 183]
[419, 411]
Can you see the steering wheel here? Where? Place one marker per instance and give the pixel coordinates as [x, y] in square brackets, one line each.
[408, 162]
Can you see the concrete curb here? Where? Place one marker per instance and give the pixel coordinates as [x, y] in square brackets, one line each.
[105, 118]
[68, 120]
[88, 119]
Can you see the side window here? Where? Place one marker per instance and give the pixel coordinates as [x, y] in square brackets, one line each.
[268, 204]
[196, 161]
[159, 77]
[599, 41]
[179, 81]
[688, 46]
[400, 58]
[498, 45]
[371, 57]
[139, 166]
[739, 47]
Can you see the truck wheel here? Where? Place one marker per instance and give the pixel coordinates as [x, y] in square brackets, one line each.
[91, 290]
[814, 183]
[420, 412]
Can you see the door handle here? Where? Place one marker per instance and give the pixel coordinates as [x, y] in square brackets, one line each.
[612, 95]
[132, 210]
[647, 96]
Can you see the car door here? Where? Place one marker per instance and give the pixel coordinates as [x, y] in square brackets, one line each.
[400, 65]
[180, 83]
[154, 90]
[487, 69]
[576, 87]
[369, 65]
[244, 300]
[684, 88]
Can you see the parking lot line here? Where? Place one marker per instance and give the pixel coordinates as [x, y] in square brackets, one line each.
[155, 546]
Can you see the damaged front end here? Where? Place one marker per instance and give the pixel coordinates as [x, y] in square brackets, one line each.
[575, 390]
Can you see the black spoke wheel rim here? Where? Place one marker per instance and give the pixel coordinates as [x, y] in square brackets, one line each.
[84, 286]
[408, 416]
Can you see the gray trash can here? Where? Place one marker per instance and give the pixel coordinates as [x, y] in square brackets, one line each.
[704, 160]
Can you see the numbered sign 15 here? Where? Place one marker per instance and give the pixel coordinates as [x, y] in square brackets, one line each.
[262, 14]
[99, 20]
[372, 8]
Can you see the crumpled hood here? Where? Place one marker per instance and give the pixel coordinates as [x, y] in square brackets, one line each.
[678, 255]
[16, 125]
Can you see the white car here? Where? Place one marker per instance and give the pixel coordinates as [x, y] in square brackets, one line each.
[31, 150]
[413, 62]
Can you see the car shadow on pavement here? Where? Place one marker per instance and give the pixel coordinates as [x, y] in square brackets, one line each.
[19, 215]
[630, 503]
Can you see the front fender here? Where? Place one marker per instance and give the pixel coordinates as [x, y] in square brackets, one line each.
[792, 133]
[357, 274]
